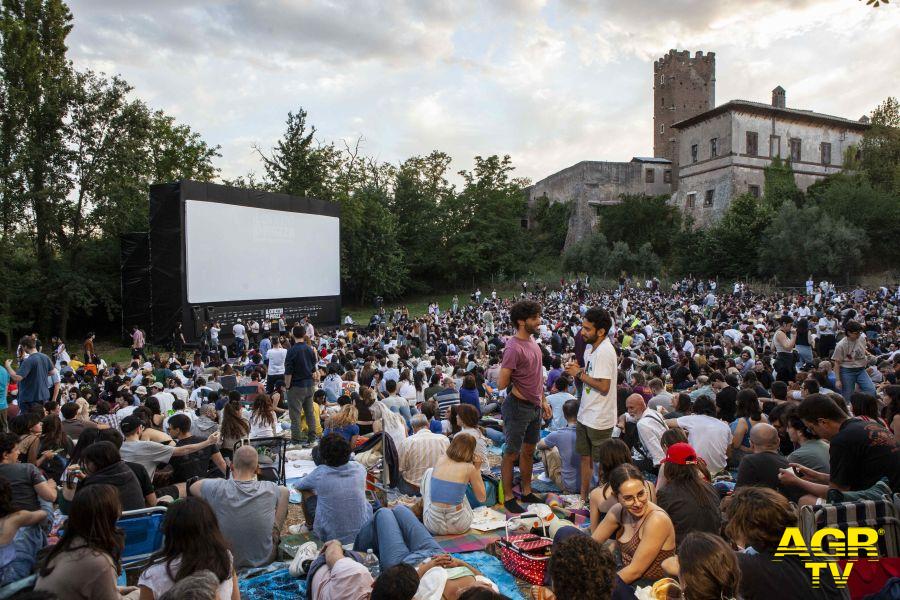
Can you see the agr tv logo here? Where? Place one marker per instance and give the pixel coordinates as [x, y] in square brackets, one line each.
[856, 542]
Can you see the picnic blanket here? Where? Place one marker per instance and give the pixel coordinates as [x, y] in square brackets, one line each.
[279, 585]
[471, 541]
[493, 570]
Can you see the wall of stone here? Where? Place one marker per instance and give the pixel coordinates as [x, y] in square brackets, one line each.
[594, 183]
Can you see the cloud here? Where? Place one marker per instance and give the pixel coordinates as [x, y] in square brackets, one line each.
[550, 82]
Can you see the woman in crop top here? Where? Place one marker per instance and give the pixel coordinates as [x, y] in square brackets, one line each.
[446, 510]
[643, 531]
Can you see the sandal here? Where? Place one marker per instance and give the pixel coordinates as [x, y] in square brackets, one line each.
[539, 592]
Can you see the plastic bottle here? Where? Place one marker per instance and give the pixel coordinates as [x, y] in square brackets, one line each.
[372, 564]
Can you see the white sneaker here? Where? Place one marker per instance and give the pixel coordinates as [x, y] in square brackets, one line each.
[306, 553]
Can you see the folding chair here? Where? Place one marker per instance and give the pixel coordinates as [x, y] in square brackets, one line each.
[878, 514]
[273, 447]
[248, 393]
[143, 535]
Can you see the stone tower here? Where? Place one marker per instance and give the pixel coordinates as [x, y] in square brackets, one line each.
[683, 86]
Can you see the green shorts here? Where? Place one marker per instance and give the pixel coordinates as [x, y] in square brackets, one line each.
[588, 440]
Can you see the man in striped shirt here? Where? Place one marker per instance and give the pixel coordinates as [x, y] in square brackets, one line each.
[418, 453]
[447, 397]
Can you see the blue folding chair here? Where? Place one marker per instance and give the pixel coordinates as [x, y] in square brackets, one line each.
[143, 534]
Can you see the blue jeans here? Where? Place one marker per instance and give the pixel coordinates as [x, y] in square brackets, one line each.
[806, 356]
[495, 436]
[27, 542]
[397, 536]
[851, 376]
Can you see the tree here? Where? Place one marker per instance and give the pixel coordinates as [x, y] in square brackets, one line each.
[800, 241]
[881, 147]
[37, 85]
[550, 223]
[780, 185]
[369, 235]
[298, 165]
[485, 233]
[590, 255]
[731, 246]
[646, 218]
[421, 194]
[853, 199]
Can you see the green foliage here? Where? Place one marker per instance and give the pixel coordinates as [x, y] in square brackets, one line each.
[881, 147]
[730, 248]
[485, 233]
[369, 232]
[852, 199]
[800, 241]
[550, 223]
[780, 186]
[77, 157]
[642, 218]
[421, 192]
[298, 165]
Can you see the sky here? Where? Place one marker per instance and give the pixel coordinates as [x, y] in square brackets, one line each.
[548, 82]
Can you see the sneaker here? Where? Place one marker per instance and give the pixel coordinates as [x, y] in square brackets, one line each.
[304, 556]
[531, 499]
[513, 507]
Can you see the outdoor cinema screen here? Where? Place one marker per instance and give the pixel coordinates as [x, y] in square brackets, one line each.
[238, 252]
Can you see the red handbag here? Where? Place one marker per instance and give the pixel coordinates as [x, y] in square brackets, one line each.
[526, 555]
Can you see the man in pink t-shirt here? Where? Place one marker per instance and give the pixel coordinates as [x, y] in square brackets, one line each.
[522, 376]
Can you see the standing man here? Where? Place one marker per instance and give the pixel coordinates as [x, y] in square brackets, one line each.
[137, 343]
[299, 366]
[32, 376]
[597, 413]
[240, 334]
[525, 404]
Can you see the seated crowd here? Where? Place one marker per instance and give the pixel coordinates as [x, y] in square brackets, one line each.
[690, 424]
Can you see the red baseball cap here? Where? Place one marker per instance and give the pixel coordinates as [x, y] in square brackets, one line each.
[681, 454]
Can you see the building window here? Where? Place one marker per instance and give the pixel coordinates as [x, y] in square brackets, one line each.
[774, 146]
[662, 129]
[713, 147]
[752, 143]
[649, 176]
[524, 223]
[754, 190]
[694, 153]
[667, 176]
[708, 199]
[689, 201]
[826, 153]
[795, 150]
[662, 101]
[662, 78]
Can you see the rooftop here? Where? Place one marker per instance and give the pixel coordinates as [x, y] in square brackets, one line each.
[760, 108]
[651, 159]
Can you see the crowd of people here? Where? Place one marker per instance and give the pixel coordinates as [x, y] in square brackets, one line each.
[692, 421]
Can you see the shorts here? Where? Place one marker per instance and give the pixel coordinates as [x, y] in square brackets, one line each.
[521, 424]
[588, 440]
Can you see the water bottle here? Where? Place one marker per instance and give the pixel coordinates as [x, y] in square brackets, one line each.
[371, 563]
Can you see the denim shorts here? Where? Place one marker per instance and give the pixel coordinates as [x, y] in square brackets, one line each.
[521, 424]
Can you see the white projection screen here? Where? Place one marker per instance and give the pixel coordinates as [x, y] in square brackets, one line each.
[236, 253]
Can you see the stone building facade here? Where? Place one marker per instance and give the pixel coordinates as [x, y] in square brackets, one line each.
[683, 86]
[590, 184]
[723, 152]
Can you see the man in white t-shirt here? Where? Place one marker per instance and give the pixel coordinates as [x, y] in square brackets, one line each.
[709, 436]
[165, 398]
[240, 334]
[597, 412]
[276, 356]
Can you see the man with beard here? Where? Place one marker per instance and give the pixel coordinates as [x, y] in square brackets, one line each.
[597, 413]
[525, 404]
